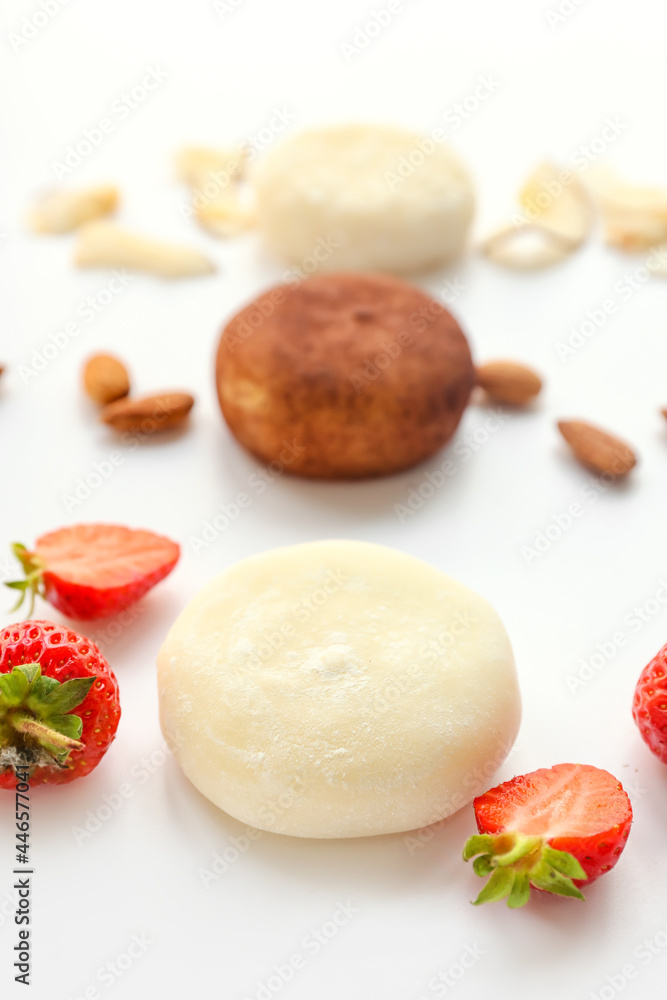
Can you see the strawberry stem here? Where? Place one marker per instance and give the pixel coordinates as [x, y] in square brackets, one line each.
[37, 727]
[33, 584]
[29, 726]
[515, 862]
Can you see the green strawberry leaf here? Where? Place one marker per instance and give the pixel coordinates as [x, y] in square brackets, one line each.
[545, 877]
[499, 885]
[480, 843]
[520, 893]
[42, 685]
[563, 862]
[35, 712]
[483, 865]
[33, 567]
[13, 687]
[516, 862]
[68, 725]
[30, 670]
[66, 696]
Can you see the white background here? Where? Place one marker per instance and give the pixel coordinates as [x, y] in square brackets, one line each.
[140, 873]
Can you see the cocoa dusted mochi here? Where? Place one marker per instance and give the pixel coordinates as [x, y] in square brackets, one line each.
[344, 376]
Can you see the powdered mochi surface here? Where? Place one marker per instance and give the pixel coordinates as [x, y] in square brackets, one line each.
[363, 198]
[338, 689]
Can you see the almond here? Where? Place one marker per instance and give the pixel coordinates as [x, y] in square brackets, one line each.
[103, 244]
[597, 449]
[149, 414]
[508, 382]
[60, 211]
[105, 379]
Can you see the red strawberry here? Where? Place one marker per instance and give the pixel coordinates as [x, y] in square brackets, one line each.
[649, 707]
[45, 672]
[94, 570]
[551, 829]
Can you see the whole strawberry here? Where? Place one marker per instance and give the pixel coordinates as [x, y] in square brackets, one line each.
[93, 570]
[649, 706]
[552, 829]
[47, 671]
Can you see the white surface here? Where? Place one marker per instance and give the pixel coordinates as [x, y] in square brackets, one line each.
[140, 873]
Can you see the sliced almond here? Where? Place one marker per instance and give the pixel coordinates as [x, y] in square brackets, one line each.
[60, 211]
[102, 244]
[197, 165]
[635, 217]
[508, 382]
[567, 210]
[597, 449]
[226, 217]
[105, 379]
[527, 248]
[557, 218]
[149, 414]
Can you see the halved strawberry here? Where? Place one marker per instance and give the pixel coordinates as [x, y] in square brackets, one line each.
[552, 829]
[649, 706]
[94, 570]
[59, 707]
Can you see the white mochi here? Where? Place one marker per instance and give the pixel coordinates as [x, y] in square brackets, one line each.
[363, 198]
[338, 689]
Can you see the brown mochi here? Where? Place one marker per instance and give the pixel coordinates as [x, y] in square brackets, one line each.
[343, 376]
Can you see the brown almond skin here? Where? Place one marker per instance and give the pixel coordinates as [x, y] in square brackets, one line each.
[597, 449]
[149, 414]
[105, 379]
[508, 382]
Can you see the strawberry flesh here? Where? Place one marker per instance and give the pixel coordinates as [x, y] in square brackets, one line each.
[97, 570]
[576, 809]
